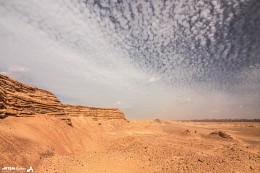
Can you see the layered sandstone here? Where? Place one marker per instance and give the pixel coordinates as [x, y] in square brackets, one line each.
[17, 99]
[95, 113]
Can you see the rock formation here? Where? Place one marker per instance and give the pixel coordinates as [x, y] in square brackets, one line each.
[95, 113]
[221, 134]
[17, 99]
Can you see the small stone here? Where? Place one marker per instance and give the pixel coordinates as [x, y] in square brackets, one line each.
[200, 160]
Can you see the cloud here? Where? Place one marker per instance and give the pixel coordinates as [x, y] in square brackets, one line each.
[148, 55]
[210, 41]
[187, 100]
[153, 79]
[123, 105]
[15, 71]
[118, 103]
[67, 53]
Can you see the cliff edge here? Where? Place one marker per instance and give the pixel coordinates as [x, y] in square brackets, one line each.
[17, 99]
[95, 113]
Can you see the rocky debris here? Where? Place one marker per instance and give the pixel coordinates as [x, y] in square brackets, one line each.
[157, 120]
[67, 121]
[221, 134]
[53, 146]
[200, 160]
[188, 131]
[48, 152]
[17, 99]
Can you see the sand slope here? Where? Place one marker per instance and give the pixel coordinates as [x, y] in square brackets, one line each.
[50, 145]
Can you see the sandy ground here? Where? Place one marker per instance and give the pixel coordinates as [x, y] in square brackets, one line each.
[50, 145]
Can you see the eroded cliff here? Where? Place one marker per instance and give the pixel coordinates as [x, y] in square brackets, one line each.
[17, 99]
[95, 113]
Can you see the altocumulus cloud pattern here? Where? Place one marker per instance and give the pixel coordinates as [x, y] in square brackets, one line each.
[185, 41]
[148, 57]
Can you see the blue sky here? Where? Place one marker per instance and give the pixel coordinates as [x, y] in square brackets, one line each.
[158, 59]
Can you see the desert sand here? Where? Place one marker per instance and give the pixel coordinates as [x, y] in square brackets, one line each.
[50, 145]
[38, 131]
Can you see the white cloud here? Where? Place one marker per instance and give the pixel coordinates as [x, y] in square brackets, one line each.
[66, 52]
[69, 49]
[118, 103]
[15, 71]
[154, 79]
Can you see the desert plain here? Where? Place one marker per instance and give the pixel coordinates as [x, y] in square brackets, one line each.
[38, 131]
[50, 145]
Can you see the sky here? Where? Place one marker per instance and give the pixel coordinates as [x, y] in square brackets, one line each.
[182, 59]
